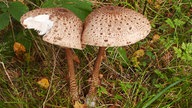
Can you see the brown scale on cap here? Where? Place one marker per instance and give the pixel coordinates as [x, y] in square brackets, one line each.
[66, 30]
[114, 26]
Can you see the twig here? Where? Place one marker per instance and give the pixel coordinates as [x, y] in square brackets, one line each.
[56, 92]
[53, 73]
[113, 70]
[7, 74]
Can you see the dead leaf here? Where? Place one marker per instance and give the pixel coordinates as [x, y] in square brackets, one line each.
[167, 57]
[155, 38]
[44, 83]
[76, 58]
[100, 76]
[19, 49]
[160, 1]
[79, 105]
[157, 6]
[121, 68]
[139, 53]
[149, 1]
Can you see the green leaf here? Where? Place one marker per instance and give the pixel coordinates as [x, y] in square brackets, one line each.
[17, 9]
[189, 48]
[125, 86]
[184, 46]
[150, 54]
[158, 85]
[189, 31]
[123, 54]
[178, 51]
[24, 39]
[160, 74]
[178, 22]
[177, 8]
[4, 20]
[170, 22]
[80, 7]
[186, 57]
[102, 90]
[118, 97]
[2, 104]
[3, 7]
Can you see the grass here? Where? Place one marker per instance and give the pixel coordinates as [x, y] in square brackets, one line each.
[161, 78]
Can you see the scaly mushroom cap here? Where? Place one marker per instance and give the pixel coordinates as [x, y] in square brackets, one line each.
[114, 26]
[65, 31]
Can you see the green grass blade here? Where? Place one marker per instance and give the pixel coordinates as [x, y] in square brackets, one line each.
[159, 94]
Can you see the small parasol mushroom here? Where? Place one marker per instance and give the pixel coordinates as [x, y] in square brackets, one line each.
[110, 26]
[60, 27]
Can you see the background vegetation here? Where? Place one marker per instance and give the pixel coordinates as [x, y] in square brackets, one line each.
[155, 72]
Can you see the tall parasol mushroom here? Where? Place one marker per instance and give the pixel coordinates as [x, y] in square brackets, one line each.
[60, 27]
[110, 26]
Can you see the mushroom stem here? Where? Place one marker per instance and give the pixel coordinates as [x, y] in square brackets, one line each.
[71, 72]
[95, 73]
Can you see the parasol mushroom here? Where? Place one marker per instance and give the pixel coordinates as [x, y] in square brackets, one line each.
[110, 26]
[60, 27]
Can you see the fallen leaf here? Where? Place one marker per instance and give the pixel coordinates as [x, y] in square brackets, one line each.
[76, 58]
[100, 76]
[19, 49]
[155, 38]
[167, 57]
[158, 3]
[44, 83]
[149, 1]
[139, 53]
[157, 6]
[79, 105]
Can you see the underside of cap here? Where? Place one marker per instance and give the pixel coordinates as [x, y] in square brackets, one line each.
[114, 26]
[66, 29]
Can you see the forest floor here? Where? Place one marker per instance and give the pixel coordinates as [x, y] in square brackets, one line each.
[155, 72]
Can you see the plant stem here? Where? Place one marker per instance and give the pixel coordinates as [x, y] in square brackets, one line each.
[95, 73]
[71, 72]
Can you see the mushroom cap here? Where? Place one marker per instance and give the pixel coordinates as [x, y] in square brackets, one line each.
[66, 30]
[114, 26]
